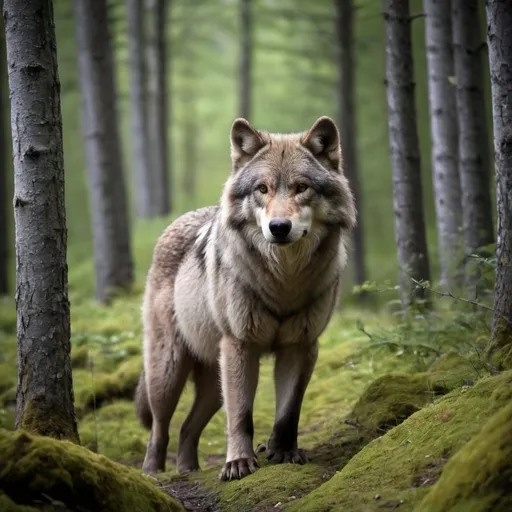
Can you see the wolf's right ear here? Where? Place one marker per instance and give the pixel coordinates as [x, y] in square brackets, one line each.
[245, 142]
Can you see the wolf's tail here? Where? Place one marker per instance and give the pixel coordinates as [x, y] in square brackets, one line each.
[142, 407]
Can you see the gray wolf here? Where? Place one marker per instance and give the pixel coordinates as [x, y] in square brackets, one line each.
[257, 274]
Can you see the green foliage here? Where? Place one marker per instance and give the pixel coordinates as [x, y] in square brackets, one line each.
[38, 470]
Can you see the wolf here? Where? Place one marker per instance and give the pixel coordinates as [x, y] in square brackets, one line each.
[257, 274]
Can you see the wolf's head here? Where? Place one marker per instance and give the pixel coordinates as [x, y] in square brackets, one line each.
[287, 187]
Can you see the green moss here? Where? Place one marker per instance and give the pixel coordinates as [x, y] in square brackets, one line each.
[100, 432]
[79, 357]
[58, 425]
[8, 376]
[7, 505]
[93, 389]
[405, 462]
[33, 468]
[478, 477]
[391, 399]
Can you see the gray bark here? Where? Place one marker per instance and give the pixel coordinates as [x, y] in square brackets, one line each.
[44, 398]
[474, 147]
[138, 110]
[190, 125]
[499, 34]
[410, 232]
[111, 234]
[444, 134]
[344, 28]
[246, 29]
[4, 240]
[158, 106]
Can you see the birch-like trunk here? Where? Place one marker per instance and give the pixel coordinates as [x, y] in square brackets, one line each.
[158, 104]
[344, 33]
[410, 232]
[499, 37]
[111, 234]
[444, 134]
[4, 200]
[246, 30]
[138, 110]
[44, 398]
[475, 164]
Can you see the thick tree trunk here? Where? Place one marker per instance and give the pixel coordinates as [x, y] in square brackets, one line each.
[246, 30]
[474, 151]
[158, 123]
[4, 241]
[138, 108]
[347, 121]
[44, 399]
[410, 232]
[443, 128]
[111, 234]
[499, 23]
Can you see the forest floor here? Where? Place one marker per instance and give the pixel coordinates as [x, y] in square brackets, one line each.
[390, 405]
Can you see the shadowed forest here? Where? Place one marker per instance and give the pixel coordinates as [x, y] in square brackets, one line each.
[115, 119]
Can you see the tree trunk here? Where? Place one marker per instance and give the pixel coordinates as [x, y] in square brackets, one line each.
[111, 234]
[246, 29]
[44, 398]
[158, 104]
[444, 134]
[474, 151]
[190, 126]
[499, 37]
[4, 236]
[138, 107]
[347, 121]
[405, 155]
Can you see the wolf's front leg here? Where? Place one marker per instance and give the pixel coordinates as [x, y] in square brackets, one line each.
[293, 369]
[239, 363]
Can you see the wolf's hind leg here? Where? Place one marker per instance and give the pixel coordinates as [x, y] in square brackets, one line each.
[207, 401]
[293, 369]
[239, 371]
[164, 391]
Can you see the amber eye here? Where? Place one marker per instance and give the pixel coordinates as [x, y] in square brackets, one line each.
[301, 187]
[263, 189]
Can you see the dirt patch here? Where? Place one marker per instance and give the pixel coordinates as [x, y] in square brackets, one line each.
[191, 495]
[431, 473]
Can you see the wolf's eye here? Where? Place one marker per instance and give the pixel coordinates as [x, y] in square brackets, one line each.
[263, 189]
[301, 187]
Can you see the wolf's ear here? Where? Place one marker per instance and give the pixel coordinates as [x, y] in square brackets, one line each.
[245, 142]
[323, 140]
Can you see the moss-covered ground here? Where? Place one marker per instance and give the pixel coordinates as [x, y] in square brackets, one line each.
[390, 404]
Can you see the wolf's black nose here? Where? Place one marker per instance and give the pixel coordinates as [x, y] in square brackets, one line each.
[280, 228]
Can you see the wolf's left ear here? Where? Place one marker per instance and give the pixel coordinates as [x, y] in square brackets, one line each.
[323, 140]
[245, 142]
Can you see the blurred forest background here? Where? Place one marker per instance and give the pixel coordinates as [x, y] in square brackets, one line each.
[294, 79]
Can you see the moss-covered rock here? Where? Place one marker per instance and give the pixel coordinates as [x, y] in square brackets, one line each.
[398, 468]
[92, 389]
[391, 399]
[479, 477]
[35, 471]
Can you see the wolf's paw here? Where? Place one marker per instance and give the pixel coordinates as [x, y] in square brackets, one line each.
[277, 456]
[238, 468]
